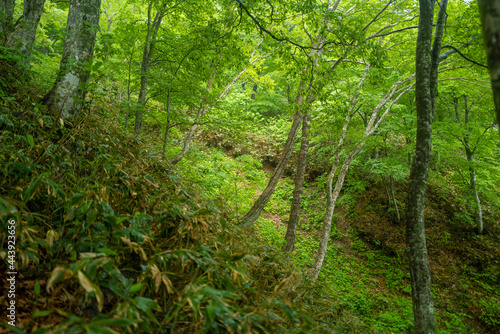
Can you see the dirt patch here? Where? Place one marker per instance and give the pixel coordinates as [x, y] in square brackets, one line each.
[276, 220]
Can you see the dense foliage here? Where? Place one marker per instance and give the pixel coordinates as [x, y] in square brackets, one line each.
[129, 214]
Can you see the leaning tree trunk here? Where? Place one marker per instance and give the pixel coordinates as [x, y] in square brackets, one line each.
[254, 212]
[23, 37]
[489, 11]
[189, 137]
[293, 221]
[427, 61]
[68, 93]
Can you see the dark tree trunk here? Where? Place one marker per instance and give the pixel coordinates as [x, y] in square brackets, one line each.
[293, 221]
[23, 37]
[469, 152]
[427, 61]
[68, 93]
[254, 213]
[6, 16]
[489, 11]
[147, 56]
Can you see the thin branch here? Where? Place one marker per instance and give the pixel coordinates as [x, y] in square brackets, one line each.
[390, 32]
[465, 57]
[378, 14]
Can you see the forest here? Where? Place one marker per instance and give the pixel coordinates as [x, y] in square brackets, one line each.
[237, 166]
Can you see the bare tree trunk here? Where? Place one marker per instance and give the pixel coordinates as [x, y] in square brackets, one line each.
[469, 152]
[189, 137]
[293, 221]
[489, 11]
[147, 56]
[23, 37]
[332, 198]
[427, 61]
[68, 93]
[478, 217]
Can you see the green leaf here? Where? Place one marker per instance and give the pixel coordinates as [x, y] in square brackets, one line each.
[107, 251]
[37, 288]
[136, 287]
[30, 140]
[75, 199]
[12, 328]
[30, 191]
[211, 310]
[40, 314]
[6, 208]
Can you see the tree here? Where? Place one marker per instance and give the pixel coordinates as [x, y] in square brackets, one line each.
[309, 87]
[490, 18]
[23, 37]
[6, 15]
[391, 97]
[153, 25]
[68, 93]
[293, 221]
[427, 61]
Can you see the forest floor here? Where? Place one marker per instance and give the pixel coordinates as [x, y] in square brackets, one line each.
[366, 260]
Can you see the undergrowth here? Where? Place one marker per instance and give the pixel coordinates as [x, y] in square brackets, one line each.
[110, 238]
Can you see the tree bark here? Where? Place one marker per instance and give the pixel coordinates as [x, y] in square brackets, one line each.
[147, 55]
[23, 37]
[332, 198]
[6, 16]
[427, 61]
[254, 213]
[469, 152]
[489, 11]
[293, 221]
[189, 137]
[68, 93]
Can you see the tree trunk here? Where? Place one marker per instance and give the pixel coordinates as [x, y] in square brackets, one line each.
[489, 11]
[147, 55]
[293, 221]
[391, 179]
[167, 126]
[189, 137]
[469, 152]
[332, 198]
[478, 217]
[254, 213]
[23, 37]
[6, 16]
[427, 61]
[68, 93]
